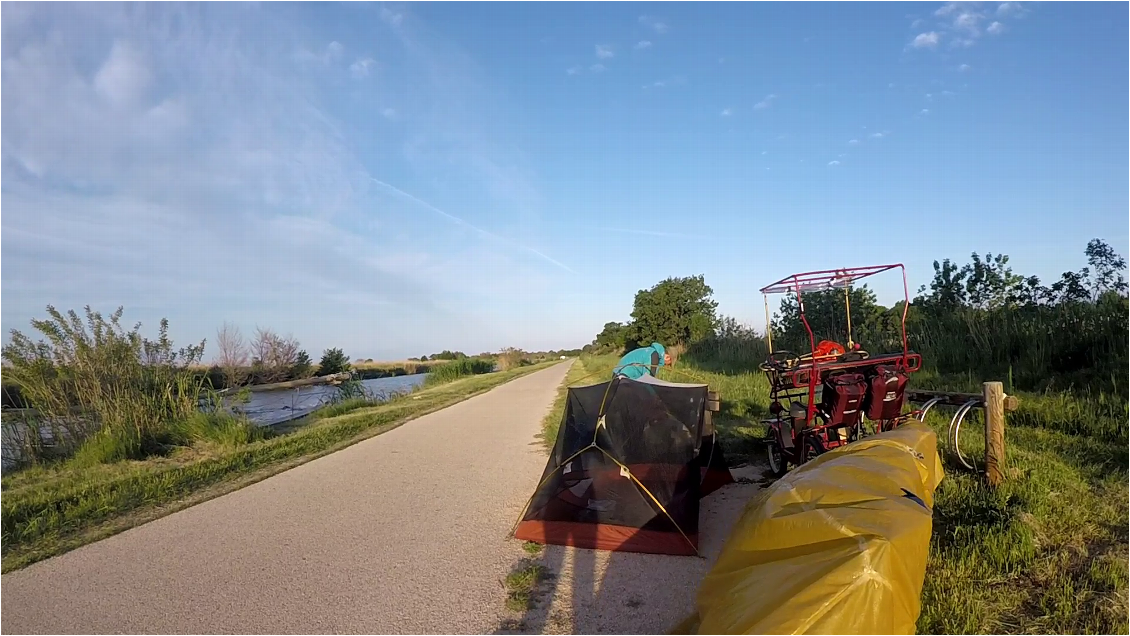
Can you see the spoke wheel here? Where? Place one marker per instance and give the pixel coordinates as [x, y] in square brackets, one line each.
[777, 464]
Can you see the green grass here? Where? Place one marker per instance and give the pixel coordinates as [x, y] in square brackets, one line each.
[585, 371]
[458, 369]
[1044, 553]
[48, 510]
[522, 585]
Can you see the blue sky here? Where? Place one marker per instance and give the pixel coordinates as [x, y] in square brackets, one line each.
[399, 179]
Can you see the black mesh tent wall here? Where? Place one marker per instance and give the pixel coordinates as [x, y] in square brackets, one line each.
[628, 468]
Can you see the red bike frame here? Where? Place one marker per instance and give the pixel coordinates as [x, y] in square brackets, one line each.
[824, 280]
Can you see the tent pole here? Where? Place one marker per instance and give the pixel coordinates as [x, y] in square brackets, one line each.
[542, 483]
[653, 499]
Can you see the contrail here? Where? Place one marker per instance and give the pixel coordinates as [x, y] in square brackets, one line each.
[460, 221]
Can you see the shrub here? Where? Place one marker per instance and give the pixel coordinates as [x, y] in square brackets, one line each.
[460, 368]
[97, 378]
[333, 361]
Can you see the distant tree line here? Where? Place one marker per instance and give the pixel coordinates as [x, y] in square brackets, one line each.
[980, 315]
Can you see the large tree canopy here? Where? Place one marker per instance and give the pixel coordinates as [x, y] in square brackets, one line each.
[675, 311]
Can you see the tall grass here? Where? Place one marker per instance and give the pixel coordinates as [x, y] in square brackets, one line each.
[95, 385]
[1046, 552]
[50, 509]
[1071, 345]
[457, 369]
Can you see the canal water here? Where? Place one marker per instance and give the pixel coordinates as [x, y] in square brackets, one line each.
[272, 407]
[265, 408]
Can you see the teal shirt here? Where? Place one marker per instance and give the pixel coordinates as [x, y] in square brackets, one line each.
[641, 359]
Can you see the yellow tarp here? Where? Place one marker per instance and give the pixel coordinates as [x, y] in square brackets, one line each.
[837, 546]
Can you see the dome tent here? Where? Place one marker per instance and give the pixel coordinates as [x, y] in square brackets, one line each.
[629, 466]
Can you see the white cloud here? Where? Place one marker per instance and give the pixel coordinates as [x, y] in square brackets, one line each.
[926, 40]
[969, 23]
[598, 68]
[1006, 9]
[996, 28]
[877, 135]
[200, 139]
[391, 17]
[573, 70]
[123, 77]
[764, 152]
[962, 42]
[361, 67]
[964, 68]
[924, 111]
[833, 163]
[917, 23]
[946, 9]
[852, 142]
[765, 103]
[604, 51]
[643, 44]
[726, 112]
[654, 24]
[675, 80]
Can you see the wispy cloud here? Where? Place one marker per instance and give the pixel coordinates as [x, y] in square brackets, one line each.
[764, 152]
[196, 136]
[765, 103]
[852, 142]
[924, 111]
[726, 112]
[679, 235]
[598, 68]
[964, 68]
[389, 113]
[1007, 9]
[361, 67]
[917, 23]
[834, 162]
[604, 51]
[925, 40]
[643, 44]
[964, 23]
[654, 24]
[573, 70]
[391, 17]
[668, 82]
[878, 135]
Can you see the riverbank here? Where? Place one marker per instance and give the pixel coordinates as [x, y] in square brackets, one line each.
[51, 510]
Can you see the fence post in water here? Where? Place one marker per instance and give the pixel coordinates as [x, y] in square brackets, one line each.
[993, 393]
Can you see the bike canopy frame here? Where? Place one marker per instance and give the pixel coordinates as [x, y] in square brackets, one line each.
[825, 280]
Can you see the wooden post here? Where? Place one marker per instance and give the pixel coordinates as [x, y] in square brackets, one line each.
[713, 405]
[993, 393]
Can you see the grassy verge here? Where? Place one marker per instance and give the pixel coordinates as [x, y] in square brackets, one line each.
[522, 585]
[586, 370]
[50, 510]
[1045, 553]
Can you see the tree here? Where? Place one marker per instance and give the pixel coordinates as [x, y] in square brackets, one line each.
[303, 366]
[333, 361]
[232, 355]
[675, 311]
[873, 326]
[1107, 266]
[273, 355]
[990, 283]
[613, 336]
[947, 290]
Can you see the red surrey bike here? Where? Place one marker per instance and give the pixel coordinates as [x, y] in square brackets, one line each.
[831, 388]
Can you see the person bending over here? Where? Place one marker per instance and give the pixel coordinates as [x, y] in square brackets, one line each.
[643, 361]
